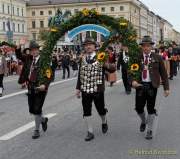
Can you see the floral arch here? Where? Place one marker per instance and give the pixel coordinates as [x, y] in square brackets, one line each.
[121, 31]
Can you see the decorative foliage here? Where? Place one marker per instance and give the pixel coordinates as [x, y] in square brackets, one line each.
[4, 43]
[121, 32]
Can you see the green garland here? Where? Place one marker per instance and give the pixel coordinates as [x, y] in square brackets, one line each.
[4, 43]
[121, 31]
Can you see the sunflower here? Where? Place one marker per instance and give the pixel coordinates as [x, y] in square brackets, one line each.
[101, 57]
[48, 73]
[134, 67]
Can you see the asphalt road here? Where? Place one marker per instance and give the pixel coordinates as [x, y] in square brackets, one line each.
[66, 131]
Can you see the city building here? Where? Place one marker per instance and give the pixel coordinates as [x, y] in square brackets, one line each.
[38, 12]
[13, 21]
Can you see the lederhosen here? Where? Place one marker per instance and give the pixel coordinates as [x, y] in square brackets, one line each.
[91, 77]
[2, 59]
[35, 98]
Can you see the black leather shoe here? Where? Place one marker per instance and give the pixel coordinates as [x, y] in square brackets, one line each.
[36, 134]
[44, 124]
[104, 128]
[142, 127]
[89, 137]
[128, 92]
[0, 95]
[149, 135]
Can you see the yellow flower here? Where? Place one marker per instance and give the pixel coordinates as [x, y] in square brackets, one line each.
[134, 67]
[123, 24]
[101, 56]
[53, 30]
[48, 73]
[85, 12]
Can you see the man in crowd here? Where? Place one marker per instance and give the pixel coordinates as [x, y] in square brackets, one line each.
[91, 85]
[151, 70]
[36, 91]
[123, 62]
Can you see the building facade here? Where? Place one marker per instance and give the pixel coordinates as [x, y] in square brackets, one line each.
[144, 21]
[13, 22]
[38, 13]
[168, 31]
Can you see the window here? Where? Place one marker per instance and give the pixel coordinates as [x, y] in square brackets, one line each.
[4, 26]
[17, 11]
[23, 28]
[41, 13]
[3, 8]
[112, 9]
[14, 27]
[8, 9]
[33, 24]
[13, 10]
[50, 12]
[34, 36]
[103, 9]
[121, 8]
[33, 13]
[22, 12]
[41, 24]
[18, 28]
[76, 10]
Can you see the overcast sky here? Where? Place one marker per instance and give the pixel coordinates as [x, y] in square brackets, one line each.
[167, 9]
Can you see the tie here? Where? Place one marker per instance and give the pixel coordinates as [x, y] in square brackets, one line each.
[89, 59]
[145, 67]
[32, 76]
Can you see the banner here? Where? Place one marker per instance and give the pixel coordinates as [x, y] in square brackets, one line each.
[88, 27]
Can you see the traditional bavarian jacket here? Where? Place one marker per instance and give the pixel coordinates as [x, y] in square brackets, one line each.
[91, 74]
[31, 69]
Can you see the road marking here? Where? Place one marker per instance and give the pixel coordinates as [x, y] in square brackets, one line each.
[10, 80]
[119, 81]
[22, 129]
[30, 125]
[16, 77]
[52, 84]
[25, 91]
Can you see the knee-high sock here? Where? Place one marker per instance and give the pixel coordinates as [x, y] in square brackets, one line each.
[38, 120]
[1, 90]
[150, 121]
[104, 119]
[143, 117]
[88, 124]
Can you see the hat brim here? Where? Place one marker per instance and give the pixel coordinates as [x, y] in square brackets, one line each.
[36, 47]
[24, 51]
[152, 43]
[85, 43]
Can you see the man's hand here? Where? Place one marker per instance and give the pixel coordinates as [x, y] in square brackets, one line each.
[78, 92]
[18, 46]
[166, 93]
[41, 87]
[135, 84]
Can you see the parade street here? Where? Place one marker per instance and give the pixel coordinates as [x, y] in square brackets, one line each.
[64, 138]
